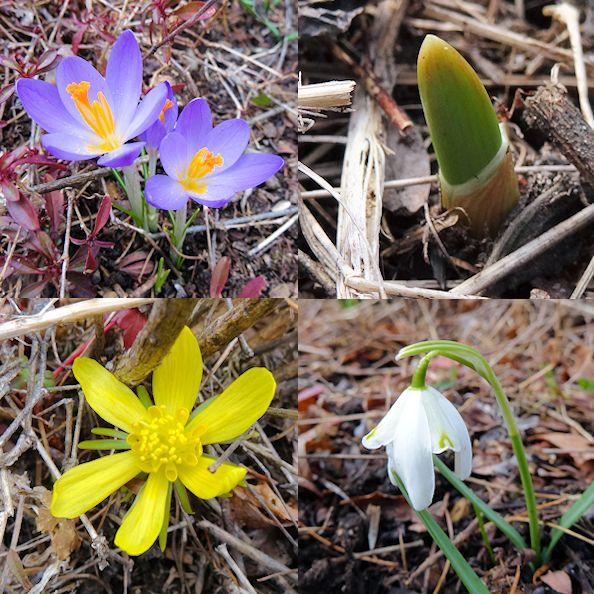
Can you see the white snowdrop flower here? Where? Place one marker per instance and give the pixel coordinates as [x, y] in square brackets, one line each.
[420, 423]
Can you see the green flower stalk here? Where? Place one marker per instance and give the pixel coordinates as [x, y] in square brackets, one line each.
[476, 170]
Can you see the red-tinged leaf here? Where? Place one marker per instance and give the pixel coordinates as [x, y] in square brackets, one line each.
[131, 321]
[6, 93]
[102, 215]
[8, 61]
[47, 61]
[219, 277]
[253, 288]
[90, 262]
[81, 285]
[189, 10]
[136, 263]
[9, 191]
[77, 38]
[24, 266]
[34, 289]
[23, 212]
[54, 206]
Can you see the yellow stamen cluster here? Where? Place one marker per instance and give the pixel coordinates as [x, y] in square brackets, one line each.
[97, 115]
[160, 441]
[202, 163]
[167, 105]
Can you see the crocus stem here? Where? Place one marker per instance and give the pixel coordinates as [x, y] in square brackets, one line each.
[152, 213]
[134, 193]
[179, 231]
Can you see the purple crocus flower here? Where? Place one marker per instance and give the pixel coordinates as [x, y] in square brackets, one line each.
[88, 115]
[207, 164]
[163, 124]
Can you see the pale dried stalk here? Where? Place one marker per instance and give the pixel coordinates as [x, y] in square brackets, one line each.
[361, 191]
[334, 93]
[569, 15]
[67, 314]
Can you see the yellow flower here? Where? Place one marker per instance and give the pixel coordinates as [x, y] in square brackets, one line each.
[163, 440]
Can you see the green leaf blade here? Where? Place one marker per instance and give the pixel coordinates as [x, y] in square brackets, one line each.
[462, 122]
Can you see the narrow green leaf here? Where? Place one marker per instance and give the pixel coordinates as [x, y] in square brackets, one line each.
[505, 527]
[104, 444]
[165, 525]
[485, 537]
[143, 396]
[109, 432]
[182, 495]
[569, 518]
[467, 575]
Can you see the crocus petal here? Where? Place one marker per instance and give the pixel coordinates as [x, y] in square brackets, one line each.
[412, 455]
[142, 524]
[123, 156]
[385, 431]
[148, 111]
[65, 146]
[84, 486]
[106, 395]
[176, 380]
[448, 430]
[170, 116]
[42, 102]
[153, 135]
[162, 191]
[124, 78]
[249, 171]
[235, 410]
[74, 70]
[194, 123]
[229, 139]
[206, 484]
[174, 155]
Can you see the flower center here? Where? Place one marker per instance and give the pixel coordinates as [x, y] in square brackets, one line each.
[160, 441]
[167, 105]
[202, 163]
[97, 115]
[445, 441]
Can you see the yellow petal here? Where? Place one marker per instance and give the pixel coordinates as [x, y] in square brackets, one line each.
[237, 408]
[177, 379]
[142, 524]
[206, 484]
[84, 486]
[107, 396]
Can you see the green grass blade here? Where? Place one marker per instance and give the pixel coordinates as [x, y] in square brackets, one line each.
[569, 518]
[504, 526]
[462, 568]
[104, 444]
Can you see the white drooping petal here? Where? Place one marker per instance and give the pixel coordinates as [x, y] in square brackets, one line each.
[384, 432]
[391, 466]
[412, 455]
[448, 430]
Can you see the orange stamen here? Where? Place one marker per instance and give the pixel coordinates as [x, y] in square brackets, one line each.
[202, 163]
[97, 115]
[167, 105]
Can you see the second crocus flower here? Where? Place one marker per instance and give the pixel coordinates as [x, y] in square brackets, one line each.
[421, 422]
[205, 164]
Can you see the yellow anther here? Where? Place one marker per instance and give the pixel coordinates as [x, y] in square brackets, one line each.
[202, 163]
[97, 115]
[160, 441]
[167, 105]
